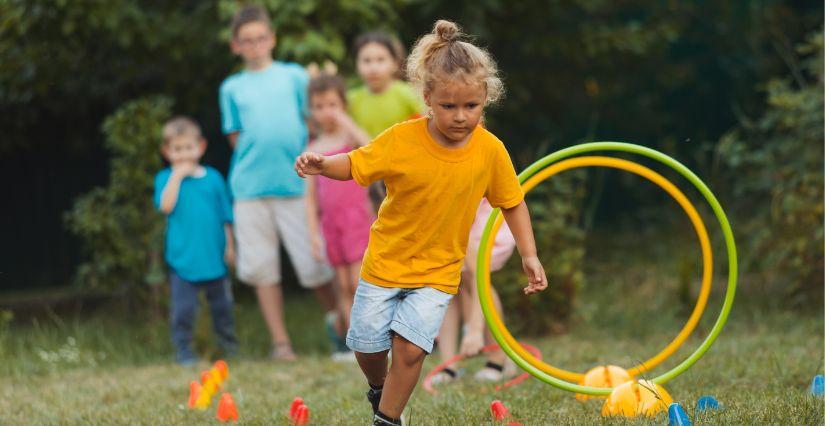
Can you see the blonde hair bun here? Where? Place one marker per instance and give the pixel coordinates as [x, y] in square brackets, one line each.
[441, 54]
[446, 31]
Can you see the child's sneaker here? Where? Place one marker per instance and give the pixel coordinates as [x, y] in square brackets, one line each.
[381, 420]
[343, 356]
[186, 358]
[374, 397]
[338, 342]
[187, 362]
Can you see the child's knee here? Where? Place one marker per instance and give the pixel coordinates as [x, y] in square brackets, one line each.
[407, 352]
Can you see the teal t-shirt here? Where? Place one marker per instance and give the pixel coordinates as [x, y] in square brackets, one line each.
[195, 237]
[268, 108]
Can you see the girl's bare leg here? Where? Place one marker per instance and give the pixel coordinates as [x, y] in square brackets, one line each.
[407, 359]
[448, 334]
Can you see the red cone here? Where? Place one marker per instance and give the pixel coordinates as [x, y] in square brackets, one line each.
[227, 411]
[293, 409]
[194, 392]
[499, 410]
[301, 416]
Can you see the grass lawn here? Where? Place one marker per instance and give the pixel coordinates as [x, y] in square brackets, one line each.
[102, 368]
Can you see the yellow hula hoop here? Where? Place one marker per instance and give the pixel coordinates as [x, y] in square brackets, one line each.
[698, 225]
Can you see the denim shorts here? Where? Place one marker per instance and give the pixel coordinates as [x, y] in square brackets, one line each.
[413, 313]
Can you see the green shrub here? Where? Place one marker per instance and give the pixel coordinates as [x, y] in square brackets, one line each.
[777, 178]
[120, 230]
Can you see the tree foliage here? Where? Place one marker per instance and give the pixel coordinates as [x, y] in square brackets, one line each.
[70, 63]
[775, 162]
[121, 230]
[675, 76]
[556, 210]
[315, 30]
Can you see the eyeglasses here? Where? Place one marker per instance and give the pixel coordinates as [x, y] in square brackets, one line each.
[253, 41]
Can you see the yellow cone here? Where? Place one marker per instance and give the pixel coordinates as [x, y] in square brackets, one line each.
[604, 376]
[635, 398]
[216, 376]
[204, 399]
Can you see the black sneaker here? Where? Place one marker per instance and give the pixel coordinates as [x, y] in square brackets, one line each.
[381, 420]
[374, 397]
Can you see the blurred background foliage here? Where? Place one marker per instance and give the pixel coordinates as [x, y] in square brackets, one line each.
[733, 89]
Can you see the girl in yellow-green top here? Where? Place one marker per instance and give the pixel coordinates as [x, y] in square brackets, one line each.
[383, 100]
[437, 169]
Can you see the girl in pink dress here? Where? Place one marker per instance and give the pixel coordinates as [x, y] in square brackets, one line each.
[339, 212]
[466, 308]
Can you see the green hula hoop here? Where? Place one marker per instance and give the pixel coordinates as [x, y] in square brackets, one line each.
[730, 244]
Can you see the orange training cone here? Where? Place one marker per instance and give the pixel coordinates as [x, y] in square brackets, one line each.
[636, 398]
[223, 368]
[227, 411]
[194, 392]
[603, 376]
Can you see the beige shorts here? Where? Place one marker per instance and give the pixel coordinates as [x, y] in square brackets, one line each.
[259, 225]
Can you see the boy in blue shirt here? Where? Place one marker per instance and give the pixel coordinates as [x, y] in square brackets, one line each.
[263, 109]
[199, 241]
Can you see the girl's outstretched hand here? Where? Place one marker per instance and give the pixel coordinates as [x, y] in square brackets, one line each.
[537, 279]
[309, 163]
[471, 343]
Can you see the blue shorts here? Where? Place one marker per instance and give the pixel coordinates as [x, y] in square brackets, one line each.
[413, 313]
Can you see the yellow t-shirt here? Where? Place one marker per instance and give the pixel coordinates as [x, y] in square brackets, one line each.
[420, 236]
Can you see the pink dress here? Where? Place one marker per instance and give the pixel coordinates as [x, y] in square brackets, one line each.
[502, 246]
[346, 217]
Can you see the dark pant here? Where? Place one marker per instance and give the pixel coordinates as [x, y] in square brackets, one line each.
[184, 306]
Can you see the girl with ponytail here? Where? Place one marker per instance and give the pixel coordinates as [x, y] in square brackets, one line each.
[437, 169]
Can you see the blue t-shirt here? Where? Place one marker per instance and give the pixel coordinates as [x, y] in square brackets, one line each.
[195, 237]
[268, 108]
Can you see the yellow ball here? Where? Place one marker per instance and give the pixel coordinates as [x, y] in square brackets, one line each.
[635, 398]
[604, 376]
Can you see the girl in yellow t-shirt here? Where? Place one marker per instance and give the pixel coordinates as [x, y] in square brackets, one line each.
[437, 169]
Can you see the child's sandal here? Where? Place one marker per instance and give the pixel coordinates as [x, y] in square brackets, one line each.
[447, 375]
[492, 372]
[282, 352]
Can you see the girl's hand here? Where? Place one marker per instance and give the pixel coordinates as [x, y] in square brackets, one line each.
[537, 280]
[309, 163]
[472, 343]
[316, 248]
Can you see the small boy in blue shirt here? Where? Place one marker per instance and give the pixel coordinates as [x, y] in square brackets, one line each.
[199, 241]
[263, 112]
